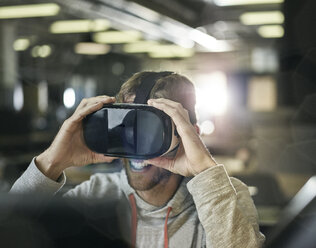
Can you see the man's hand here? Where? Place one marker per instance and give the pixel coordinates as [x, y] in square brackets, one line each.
[192, 156]
[68, 148]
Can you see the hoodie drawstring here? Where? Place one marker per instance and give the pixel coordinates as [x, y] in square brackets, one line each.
[134, 223]
[166, 228]
[134, 220]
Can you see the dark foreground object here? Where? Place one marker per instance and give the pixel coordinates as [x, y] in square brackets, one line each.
[297, 227]
[34, 221]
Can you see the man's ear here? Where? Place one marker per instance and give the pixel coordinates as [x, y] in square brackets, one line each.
[197, 128]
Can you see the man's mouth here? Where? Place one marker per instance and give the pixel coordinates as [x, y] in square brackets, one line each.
[138, 165]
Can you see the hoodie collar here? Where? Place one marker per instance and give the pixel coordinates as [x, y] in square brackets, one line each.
[181, 200]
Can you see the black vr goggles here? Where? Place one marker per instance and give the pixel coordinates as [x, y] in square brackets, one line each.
[135, 130]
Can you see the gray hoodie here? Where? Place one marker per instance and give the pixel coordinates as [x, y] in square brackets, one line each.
[209, 210]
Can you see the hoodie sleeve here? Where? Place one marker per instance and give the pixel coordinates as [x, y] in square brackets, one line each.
[99, 185]
[34, 181]
[225, 209]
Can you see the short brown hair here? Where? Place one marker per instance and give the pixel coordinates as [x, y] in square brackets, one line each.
[174, 87]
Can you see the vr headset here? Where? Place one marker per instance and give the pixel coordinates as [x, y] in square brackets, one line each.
[136, 131]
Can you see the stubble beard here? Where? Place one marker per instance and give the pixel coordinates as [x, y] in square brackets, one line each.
[143, 182]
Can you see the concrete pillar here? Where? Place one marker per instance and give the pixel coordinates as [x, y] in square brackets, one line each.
[8, 64]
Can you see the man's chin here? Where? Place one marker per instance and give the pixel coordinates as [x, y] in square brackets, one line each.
[145, 178]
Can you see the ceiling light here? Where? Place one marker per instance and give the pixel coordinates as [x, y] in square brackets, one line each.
[209, 42]
[157, 50]
[139, 47]
[79, 26]
[245, 2]
[90, 48]
[114, 37]
[160, 27]
[41, 51]
[165, 55]
[21, 44]
[271, 31]
[44, 51]
[31, 10]
[170, 51]
[259, 18]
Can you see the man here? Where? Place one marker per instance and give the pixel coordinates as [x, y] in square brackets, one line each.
[185, 201]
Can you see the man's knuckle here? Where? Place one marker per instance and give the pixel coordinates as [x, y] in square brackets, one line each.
[68, 121]
[173, 111]
[179, 105]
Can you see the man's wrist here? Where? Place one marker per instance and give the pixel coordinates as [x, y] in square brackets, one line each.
[208, 163]
[48, 167]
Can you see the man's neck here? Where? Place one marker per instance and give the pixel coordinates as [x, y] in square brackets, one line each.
[162, 192]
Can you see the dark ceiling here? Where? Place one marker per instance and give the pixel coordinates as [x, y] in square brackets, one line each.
[221, 22]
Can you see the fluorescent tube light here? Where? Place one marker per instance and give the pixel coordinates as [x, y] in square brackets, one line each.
[79, 26]
[116, 37]
[170, 51]
[245, 2]
[271, 31]
[140, 46]
[259, 18]
[31, 10]
[209, 42]
[157, 50]
[167, 55]
[21, 44]
[90, 48]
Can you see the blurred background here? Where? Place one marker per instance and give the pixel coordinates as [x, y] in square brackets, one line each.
[253, 63]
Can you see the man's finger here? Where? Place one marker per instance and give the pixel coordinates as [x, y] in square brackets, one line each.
[165, 163]
[182, 123]
[91, 106]
[88, 101]
[88, 110]
[100, 158]
[172, 104]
